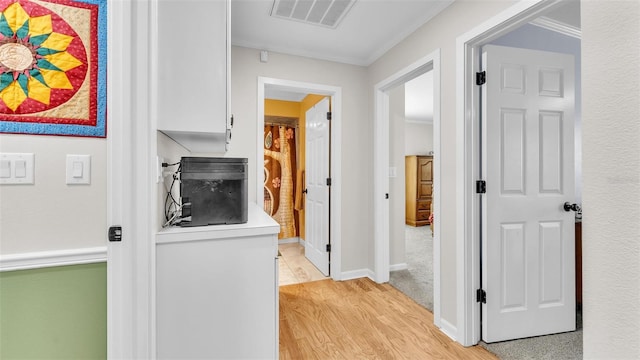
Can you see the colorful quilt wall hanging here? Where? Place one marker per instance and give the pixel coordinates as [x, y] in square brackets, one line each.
[53, 67]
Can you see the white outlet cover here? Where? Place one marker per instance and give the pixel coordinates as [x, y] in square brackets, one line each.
[78, 169]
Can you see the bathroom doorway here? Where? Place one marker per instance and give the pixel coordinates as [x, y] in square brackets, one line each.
[301, 97]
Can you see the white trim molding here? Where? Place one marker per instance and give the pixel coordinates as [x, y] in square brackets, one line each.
[131, 162]
[45, 259]
[292, 240]
[557, 26]
[357, 274]
[396, 267]
[419, 122]
[449, 329]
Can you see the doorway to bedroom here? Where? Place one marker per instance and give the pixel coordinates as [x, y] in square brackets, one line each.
[411, 153]
[549, 33]
[389, 179]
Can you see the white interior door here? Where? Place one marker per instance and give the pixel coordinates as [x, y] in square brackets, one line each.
[317, 197]
[528, 163]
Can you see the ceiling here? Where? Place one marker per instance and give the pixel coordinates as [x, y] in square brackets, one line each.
[566, 13]
[368, 30]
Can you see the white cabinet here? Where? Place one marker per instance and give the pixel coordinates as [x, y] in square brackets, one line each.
[193, 72]
[217, 290]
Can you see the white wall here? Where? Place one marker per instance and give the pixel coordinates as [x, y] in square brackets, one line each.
[419, 98]
[170, 152]
[51, 215]
[405, 138]
[418, 138]
[357, 135]
[397, 184]
[611, 168]
[441, 32]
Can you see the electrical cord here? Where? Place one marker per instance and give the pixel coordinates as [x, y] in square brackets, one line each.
[172, 220]
[172, 207]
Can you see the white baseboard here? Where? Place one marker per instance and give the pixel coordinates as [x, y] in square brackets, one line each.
[43, 259]
[357, 274]
[290, 240]
[448, 329]
[396, 267]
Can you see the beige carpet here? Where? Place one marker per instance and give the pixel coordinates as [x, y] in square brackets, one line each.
[417, 280]
[417, 283]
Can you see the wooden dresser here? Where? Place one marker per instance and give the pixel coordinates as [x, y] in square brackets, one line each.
[418, 189]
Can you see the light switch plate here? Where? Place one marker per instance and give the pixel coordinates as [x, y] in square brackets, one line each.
[20, 168]
[5, 168]
[78, 169]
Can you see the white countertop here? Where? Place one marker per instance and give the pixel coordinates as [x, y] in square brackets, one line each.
[258, 223]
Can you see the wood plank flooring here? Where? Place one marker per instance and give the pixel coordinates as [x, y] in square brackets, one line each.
[360, 319]
[294, 268]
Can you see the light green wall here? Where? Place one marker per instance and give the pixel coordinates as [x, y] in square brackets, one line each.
[54, 313]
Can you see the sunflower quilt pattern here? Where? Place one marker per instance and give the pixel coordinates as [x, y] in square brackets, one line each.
[53, 67]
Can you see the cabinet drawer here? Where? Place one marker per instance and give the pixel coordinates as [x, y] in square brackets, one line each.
[423, 215]
[423, 205]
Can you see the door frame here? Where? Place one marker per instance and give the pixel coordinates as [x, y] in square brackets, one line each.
[335, 195]
[119, 91]
[382, 264]
[131, 167]
[467, 157]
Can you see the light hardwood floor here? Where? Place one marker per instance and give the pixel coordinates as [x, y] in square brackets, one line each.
[359, 319]
[294, 268]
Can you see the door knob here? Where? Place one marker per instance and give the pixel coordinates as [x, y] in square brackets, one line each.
[304, 191]
[568, 207]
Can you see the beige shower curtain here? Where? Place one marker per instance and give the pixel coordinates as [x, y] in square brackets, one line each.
[280, 178]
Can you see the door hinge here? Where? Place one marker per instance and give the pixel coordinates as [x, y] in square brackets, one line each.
[329, 115]
[481, 296]
[328, 247]
[481, 78]
[328, 181]
[115, 233]
[481, 186]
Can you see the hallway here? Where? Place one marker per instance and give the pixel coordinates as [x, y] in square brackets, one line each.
[359, 319]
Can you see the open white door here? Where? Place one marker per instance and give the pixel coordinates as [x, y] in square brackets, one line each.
[528, 164]
[317, 189]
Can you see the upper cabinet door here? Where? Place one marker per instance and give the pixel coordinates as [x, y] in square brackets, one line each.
[193, 48]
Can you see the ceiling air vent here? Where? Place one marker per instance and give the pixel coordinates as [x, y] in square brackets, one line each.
[327, 13]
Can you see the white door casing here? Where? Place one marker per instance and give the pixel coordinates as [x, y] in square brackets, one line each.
[528, 164]
[131, 168]
[317, 147]
[120, 332]
[430, 62]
